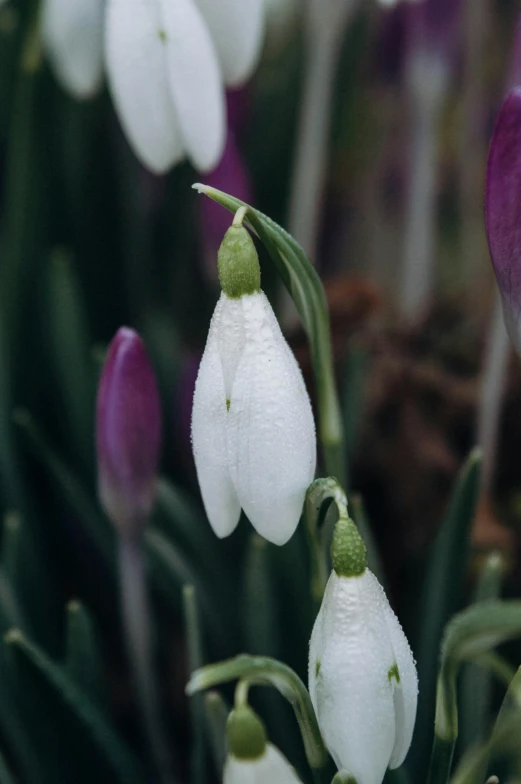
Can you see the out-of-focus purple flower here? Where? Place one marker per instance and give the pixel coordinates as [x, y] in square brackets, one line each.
[435, 24]
[128, 433]
[232, 177]
[503, 210]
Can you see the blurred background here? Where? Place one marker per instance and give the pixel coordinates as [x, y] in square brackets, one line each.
[370, 146]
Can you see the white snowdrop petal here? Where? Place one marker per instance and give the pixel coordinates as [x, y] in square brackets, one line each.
[195, 82]
[352, 691]
[209, 437]
[232, 338]
[136, 61]
[271, 768]
[237, 28]
[405, 692]
[271, 432]
[72, 33]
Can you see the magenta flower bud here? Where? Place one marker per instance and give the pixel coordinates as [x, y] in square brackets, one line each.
[128, 433]
[503, 210]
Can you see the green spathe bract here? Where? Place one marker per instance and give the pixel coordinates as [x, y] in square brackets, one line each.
[238, 262]
[246, 734]
[348, 552]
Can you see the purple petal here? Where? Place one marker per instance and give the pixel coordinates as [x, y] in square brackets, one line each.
[128, 432]
[503, 209]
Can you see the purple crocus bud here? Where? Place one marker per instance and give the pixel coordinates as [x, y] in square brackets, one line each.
[503, 210]
[128, 433]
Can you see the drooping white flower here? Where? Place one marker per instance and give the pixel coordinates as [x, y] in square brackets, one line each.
[166, 64]
[253, 432]
[72, 33]
[270, 768]
[362, 676]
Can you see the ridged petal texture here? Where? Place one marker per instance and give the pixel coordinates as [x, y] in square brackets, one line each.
[264, 445]
[271, 768]
[166, 83]
[503, 210]
[72, 32]
[237, 28]
[357, 650]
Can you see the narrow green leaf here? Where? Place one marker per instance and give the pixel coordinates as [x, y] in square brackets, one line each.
[70, 488]
[39, 681]
[25, 569]
[71, 347]
[442, 594]
[353, 399]
[82, 657]
[469, 635]
[195, 660]
[304, 285]
[216, 717]
[6, 777]
[265, 671]
[260, 621]
[476, 681]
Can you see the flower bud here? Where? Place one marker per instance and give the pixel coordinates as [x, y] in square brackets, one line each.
[251, 760]
[253, 433]
[128, 432]
[362, 676]
[503, 210]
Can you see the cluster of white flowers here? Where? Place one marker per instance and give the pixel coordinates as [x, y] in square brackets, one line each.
[166, 63]
[254, 447]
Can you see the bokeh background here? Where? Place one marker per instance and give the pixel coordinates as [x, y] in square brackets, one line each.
[90, 240]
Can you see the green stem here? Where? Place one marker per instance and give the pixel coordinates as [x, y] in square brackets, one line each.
[136, 619]
[445, 725]
[262, 671]
[441, 761]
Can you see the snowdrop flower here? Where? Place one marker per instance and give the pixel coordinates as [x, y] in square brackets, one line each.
[251, 760]
[166, 63]
[253, 433]
[72, 33]
[362, 676]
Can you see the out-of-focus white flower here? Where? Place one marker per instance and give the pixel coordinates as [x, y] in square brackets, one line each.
[253, 432]
[166, 63]
[270, 768]
[362, 676]
[72, 33]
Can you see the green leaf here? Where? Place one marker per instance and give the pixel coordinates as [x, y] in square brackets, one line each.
[71, 353]
[442, 593]
[195, 660]
[265, 671]
[304, 285]
[6, 777]
[476, 681]
[82, 658]
[471, 634]
[62, 717]
[216, 717]
[72, 491]
[260, 621]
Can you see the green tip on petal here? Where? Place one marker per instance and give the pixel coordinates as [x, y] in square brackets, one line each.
[238, 262]
[348, 552]
[246, 734]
